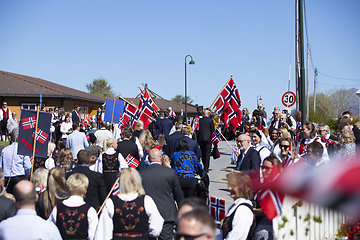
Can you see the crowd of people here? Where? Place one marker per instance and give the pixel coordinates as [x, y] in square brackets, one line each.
[156, 172]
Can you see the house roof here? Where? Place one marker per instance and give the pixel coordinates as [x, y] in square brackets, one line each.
[163, 103]
[16, 85]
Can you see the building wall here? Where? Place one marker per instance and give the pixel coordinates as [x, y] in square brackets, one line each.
[14, 103]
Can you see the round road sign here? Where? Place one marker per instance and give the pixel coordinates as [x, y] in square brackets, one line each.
[288, 99]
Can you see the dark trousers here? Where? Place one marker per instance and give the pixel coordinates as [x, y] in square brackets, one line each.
[167, 232]
[188, 186]
[13, 181]
[205, 147]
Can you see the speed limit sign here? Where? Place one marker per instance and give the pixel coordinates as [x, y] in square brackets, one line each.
[288, 99]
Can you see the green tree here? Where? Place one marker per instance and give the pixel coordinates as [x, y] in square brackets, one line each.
[325, 110]
[100, 87]
[181, 99]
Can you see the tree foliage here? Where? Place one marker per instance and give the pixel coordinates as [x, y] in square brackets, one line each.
[100, 87]
[181, 99]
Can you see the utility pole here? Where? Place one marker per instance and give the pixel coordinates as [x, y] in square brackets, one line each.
[315, 90]
[300, 70]
[307, 83]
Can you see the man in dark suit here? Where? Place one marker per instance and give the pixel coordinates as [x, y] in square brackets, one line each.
[126, 147]
[8, 208]
[173, 138]
[206, 128]
[328, 139]
[162, 184]
[75, 115]
[166, 125]
[248, 158]
[96, 191]
[193, 145]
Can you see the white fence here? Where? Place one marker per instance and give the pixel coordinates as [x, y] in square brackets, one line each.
[306, 222]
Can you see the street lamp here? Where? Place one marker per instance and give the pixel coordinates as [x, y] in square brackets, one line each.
[191, 62]
[257, 100]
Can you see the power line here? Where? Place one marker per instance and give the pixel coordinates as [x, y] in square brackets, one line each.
[337, 85]
[348, 79]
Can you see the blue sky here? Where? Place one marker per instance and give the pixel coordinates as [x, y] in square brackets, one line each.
[134, 42]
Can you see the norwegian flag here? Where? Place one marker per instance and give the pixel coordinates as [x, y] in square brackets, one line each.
[270, 202]
[87, 137]
[217, 208]
[82, 123]
[229, 104]
[121, 123]
[131, 161]
[195, 125]
[216, 137]
[28, 123]
[89, 119]
[130, 114]
[41, 136]
[146, 106]
[115, 188]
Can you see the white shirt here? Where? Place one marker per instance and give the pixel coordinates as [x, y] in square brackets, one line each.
[101, 135]
[105, 226]
[77, 201]
[242, 220]
[110, 151]
[233, 157]
[264, 152]
[64, 127]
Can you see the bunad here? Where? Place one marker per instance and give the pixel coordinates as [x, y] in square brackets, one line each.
[238, 220]
[129, 216]
[302, 146]
[74, 218]
[110, 164]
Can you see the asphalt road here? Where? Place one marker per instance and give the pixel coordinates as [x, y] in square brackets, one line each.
[217, 173]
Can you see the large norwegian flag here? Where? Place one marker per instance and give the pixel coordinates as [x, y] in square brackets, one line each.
[131, 161]
[228, 105]
[130, 114]
[41, 136]
[146, 107]
[26, 134]
[217, 208]
[216, 137]
[334, 185]
[28, 123]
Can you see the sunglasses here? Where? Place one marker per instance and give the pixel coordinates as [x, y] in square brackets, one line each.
[265, 168]
[284, 146]
[177, 236]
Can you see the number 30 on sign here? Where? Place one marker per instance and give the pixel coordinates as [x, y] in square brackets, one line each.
[288, 99]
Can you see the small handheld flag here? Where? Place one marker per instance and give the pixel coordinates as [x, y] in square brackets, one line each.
[217, 208]
[132, 162]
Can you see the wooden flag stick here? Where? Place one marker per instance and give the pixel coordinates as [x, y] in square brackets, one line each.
[132, 104]
[107, 197]
[34, 145]
[112, 116]
[227, 141]
[221, 91]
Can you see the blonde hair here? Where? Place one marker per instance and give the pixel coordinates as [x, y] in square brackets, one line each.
[55, 185]
[145, 139]
[161, 140]
[51, 148]
[130, 181]
[139, 125]
[285, 133]
[346, 135]
[40, 177]
[77, 184]
[108, 143]
[166, 161]
[243, 181]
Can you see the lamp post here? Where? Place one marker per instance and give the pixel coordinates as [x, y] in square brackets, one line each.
[257, 100]
[191, 62]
